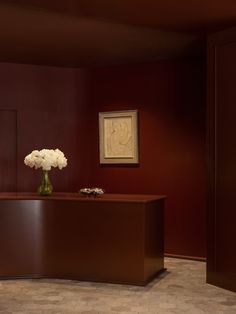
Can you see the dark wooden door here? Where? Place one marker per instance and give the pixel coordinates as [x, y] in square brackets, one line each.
[8, 150]
[221, 265]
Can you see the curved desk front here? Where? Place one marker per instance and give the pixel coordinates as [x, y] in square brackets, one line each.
[113, 238]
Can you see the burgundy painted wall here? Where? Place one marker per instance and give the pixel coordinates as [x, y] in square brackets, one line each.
[170, 98]
[51, 105]
[58, 107]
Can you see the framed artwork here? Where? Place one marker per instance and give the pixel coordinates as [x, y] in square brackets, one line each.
[118, 137]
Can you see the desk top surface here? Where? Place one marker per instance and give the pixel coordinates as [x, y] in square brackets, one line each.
[77, 197]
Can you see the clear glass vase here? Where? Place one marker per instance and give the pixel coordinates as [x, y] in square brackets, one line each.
[45, 187]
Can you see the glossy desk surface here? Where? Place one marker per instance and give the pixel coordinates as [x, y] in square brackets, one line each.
[76, 196]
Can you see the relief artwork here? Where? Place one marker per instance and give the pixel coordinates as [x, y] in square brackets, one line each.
[118, 137]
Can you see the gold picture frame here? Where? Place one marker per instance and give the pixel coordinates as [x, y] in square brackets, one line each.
[118, 137]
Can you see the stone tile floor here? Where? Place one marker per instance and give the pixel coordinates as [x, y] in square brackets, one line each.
[181, 289]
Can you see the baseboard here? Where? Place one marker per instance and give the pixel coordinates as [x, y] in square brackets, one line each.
[193, 258]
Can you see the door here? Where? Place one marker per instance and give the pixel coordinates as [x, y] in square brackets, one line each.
[8, 150]
[221, 257]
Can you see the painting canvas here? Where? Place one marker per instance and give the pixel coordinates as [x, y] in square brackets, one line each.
[118, 137]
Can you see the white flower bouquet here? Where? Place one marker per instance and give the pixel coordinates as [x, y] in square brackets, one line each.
[46, 159]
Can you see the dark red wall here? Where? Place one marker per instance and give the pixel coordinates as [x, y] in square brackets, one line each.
[170, 98]
[51, 106]
[58, 107]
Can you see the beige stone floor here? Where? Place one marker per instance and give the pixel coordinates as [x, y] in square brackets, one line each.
[182, 289]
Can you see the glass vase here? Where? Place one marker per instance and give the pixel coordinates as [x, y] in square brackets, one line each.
[46, 187]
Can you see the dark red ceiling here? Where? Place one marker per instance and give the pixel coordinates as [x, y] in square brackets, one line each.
[93, 32]
[184, 15]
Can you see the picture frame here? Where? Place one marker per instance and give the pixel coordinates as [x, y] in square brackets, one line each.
[118, 137]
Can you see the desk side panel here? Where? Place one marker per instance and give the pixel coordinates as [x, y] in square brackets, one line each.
[154, 238]
[21, 238]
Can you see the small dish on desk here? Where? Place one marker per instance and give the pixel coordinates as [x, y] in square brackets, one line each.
[91, 192]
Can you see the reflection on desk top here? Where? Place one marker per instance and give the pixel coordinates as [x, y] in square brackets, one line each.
[77, 197]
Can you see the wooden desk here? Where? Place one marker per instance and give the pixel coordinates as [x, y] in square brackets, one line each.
[113, 238]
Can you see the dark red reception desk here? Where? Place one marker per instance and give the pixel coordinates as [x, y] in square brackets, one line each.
[112, 238]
